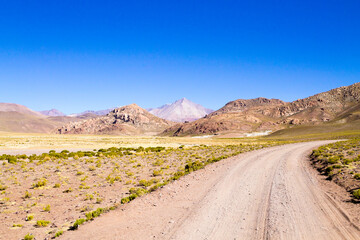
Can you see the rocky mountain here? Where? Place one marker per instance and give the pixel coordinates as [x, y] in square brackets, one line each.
[52, 113]
[180, 111]
[263, 114]
[127, 120]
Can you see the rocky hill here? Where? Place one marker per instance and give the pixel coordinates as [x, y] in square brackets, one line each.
[180, 111]
[263, 114]
[127, 120]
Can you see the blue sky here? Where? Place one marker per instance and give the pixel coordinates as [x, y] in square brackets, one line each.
[79, 55]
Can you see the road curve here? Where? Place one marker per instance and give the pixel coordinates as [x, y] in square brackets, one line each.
[265, 194]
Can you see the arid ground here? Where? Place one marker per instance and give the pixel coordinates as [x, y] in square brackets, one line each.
[271, 193]
[111, 187]
[46, 194]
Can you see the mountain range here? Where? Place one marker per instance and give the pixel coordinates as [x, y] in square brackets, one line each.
[262, 114]
[183, 118]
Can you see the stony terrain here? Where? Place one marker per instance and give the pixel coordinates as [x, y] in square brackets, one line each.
[262, 114]
[128, 120]
[271, 193]
[50, 193]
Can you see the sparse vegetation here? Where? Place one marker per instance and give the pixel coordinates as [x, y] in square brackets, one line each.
[42, 223]
[340, 162]
[95, 178]
[28, 237]
[58, 234]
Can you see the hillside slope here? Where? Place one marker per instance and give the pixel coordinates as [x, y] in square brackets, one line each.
[12, 107]
[19, 122]
[263, 114]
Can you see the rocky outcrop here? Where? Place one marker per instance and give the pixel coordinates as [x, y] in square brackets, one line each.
[127, 120]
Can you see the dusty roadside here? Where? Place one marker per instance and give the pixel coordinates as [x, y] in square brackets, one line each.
[271, 193]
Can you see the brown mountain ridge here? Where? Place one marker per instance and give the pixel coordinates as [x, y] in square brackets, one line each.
[261, 114]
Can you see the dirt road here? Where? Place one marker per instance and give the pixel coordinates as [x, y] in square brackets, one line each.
[266, 194]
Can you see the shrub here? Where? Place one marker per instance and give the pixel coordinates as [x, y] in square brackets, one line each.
[47, 208]
[94, 214]
[334, 159]
[137, 191]
[347, 161]
[28, 237]
[29, 217]
[12, 159]
[41, 183]
[77, 223]
[59, 233]
[157, 173]
[27, 194]
[42, 223]
[357, 176]
[144, 183]
[128, 199]
[92, 168]
[68, 190]
[356, 194]
[89, 197]
[193, 166]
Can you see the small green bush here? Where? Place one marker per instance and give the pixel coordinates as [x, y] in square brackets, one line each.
[42, 223]
[356, 194]
[94, 214]
[59, 233]
[41, 183]
[47, 208]
[12, 159]
[77, 223]
[28, 237]
[27, 194]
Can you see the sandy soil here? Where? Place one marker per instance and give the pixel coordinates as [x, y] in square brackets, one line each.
[271, 193]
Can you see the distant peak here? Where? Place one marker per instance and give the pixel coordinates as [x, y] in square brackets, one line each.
[182, 100]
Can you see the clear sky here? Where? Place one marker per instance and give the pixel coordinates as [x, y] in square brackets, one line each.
[77, 55]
